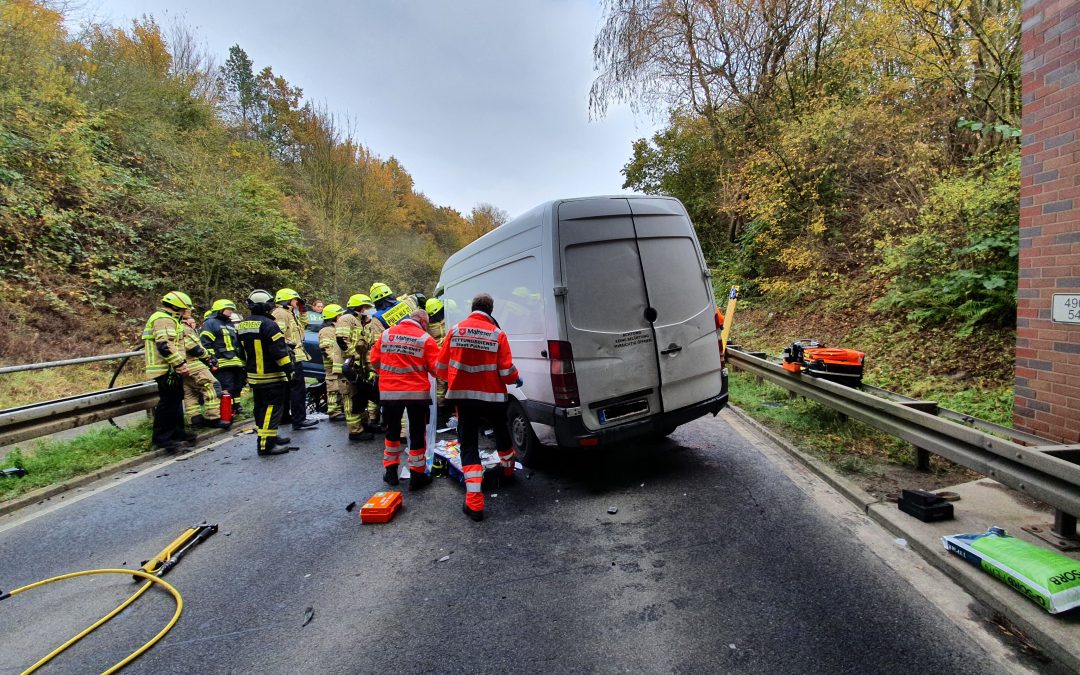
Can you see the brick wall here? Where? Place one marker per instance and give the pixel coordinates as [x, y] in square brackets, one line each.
[1048, 353]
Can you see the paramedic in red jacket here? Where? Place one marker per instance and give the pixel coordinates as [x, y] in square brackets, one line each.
[476, 363]
[402, 358]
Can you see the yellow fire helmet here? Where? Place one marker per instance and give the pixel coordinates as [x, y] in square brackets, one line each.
[359, 300]
[177, 300]
[433, 305]
[331, 312]
[286, 294]
[379, 291]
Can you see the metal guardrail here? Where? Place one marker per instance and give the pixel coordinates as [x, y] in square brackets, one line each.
[68, 362]
[48, 417]
[41, 419]
[1047, 472]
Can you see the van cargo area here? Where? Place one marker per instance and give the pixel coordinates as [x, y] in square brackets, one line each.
[609, 309]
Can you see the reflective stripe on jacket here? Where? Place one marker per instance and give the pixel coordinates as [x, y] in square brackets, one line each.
[289, 323]
[348, 329]
[163, 345]
[403, 356]
[475, 360]
[195, 355]
[218, 335]
[262, 346]
[331, 351]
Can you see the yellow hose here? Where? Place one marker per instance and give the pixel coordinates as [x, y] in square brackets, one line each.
[151, 580]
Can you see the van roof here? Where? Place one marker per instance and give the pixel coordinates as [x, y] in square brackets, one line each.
[528, 220]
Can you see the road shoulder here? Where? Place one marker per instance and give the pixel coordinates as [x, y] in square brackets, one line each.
[913, 549]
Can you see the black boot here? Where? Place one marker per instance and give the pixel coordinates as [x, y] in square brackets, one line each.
[361, 436]
[216, 424]
[306, 424]
[391, 477]
[418, 481]
[282, 440]
[273, 448]
[197, 421]
[473, 515]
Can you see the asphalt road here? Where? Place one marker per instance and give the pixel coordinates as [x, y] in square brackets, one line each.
[717, 561]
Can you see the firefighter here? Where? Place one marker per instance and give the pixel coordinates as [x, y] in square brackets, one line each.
[476, 362]
[218, 336]
[388, 309]
[163, 349]
[404, 356]
[356, 339]
[437, 329]
[201, 404]
[333, 360]
[268, 363]
[287, 315]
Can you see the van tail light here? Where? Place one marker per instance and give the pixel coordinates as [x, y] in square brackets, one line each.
[563, 377]
[719, 338]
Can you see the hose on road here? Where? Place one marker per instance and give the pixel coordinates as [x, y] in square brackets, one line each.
[150, 581]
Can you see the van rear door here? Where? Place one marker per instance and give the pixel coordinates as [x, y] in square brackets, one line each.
[605, 312]
[679, 290]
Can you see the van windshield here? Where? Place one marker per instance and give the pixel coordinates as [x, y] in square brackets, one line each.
[607, 293]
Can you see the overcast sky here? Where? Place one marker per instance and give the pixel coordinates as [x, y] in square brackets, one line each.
[481, 100]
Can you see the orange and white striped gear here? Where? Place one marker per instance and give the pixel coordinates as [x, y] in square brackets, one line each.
[475, 360]
[418, 460]
[404, 356]
[391, 453]
[474, 476]
[506, 461]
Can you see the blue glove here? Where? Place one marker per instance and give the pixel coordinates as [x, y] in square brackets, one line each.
[520, 382]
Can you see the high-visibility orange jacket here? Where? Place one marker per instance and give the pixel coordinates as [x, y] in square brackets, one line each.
[403, 356]
[475, 360]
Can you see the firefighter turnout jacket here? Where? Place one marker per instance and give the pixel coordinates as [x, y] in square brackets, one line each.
[348, 329]
[475, 360]
[262, 346]
[403, 356]
[333, 360]
[289, 323]
[218, 336]
[163, 342]
[197, 357]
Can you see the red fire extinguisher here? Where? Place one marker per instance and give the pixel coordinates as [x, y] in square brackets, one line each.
[226, 407]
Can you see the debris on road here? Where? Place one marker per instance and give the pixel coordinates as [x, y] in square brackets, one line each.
[350, 507]
[443, 559]
[13, 472]
[309, 614]
[613, 510]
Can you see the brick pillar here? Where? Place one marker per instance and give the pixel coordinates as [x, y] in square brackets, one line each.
[1048, 339]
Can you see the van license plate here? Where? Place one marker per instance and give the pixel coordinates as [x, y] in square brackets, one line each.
[622, 411]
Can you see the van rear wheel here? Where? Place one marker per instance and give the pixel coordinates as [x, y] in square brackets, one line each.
[529, 451]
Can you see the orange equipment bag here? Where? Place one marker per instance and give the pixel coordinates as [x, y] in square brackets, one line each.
[381, 507]
[829, 363]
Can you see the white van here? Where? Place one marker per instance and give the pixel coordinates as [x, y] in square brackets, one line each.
[610, 313]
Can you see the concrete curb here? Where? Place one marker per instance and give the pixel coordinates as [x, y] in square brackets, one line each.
[982, 587]
[50, 491]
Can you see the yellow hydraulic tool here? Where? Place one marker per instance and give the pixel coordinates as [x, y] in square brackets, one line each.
[152, 571]
[729, 316]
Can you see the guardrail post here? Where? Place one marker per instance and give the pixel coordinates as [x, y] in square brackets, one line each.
[922, 459]
[922, 455]
[1064, 524]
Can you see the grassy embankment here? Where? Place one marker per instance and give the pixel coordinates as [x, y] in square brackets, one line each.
[972, 375]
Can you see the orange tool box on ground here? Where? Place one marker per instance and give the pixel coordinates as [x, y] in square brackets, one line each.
[381, 507]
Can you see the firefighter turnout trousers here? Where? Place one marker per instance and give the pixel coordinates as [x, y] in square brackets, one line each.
[200, 395]
[355, 399]
[269, 403]
[471, 417]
